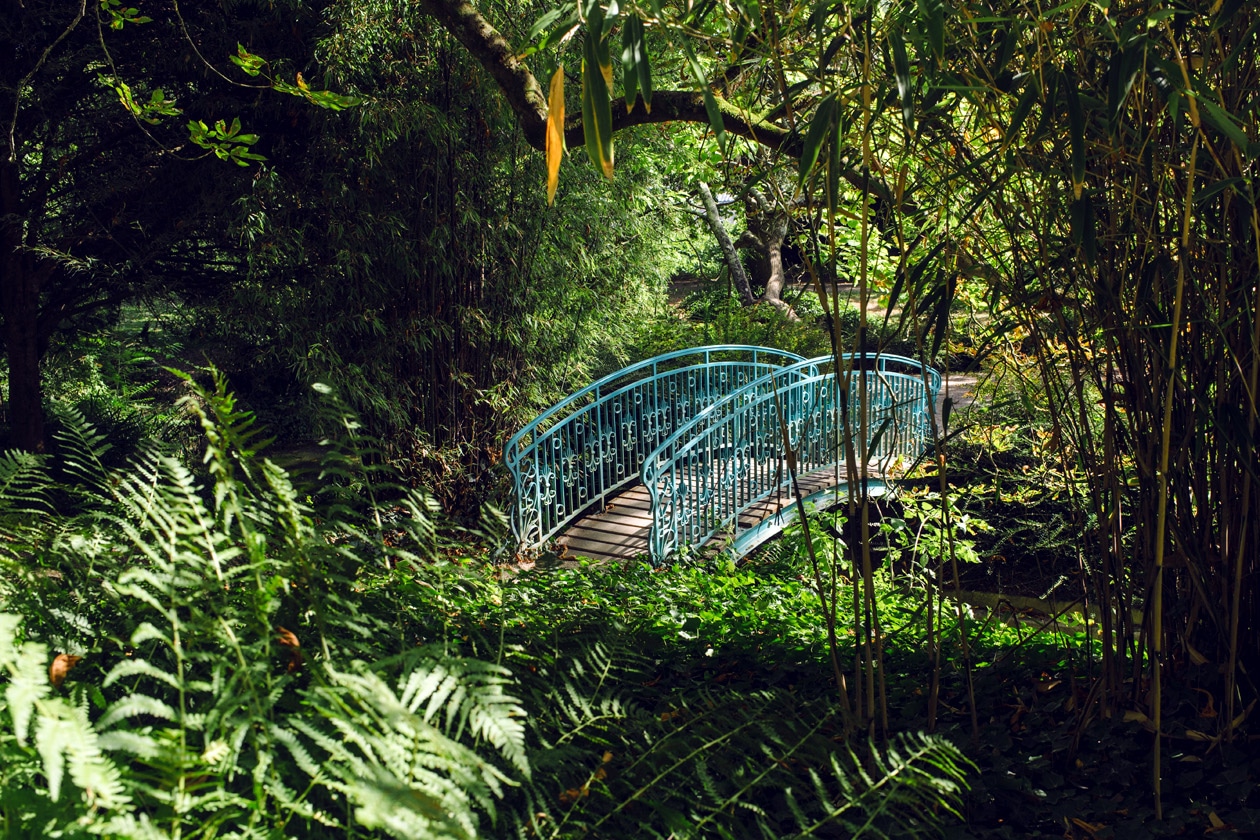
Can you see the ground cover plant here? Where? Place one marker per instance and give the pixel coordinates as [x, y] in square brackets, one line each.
[226, 653]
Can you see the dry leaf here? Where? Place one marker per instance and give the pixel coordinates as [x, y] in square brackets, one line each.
[573, 795]
[1089, 828]
[289, 639]
[61, 666]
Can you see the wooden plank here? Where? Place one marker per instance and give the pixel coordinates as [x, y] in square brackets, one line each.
[613, 538]
[596, 549]
[612, 525]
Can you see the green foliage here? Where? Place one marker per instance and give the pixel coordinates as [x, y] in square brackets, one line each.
[221, 638]
[240, 656]
[227, 142]
[685, 700]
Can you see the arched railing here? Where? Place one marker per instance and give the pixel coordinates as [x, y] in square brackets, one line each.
[585, 448]
[731, 456]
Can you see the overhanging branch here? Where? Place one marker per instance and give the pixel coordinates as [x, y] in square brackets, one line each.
[525, 96]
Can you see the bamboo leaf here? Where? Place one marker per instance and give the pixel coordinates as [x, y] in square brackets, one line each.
[1022, 108]
[933, 13]
[1124, 69]
[879, 434]
[1223, 122]
[1204, 194]
[1228, 9]
[1076, 130]
[901, 69]
[596, 111]
[644, 67]
[710, 102]
[631, 55]
[819, 129]
[555, 133]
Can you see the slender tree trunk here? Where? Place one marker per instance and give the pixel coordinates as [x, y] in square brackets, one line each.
[729, 253]
[20, 280]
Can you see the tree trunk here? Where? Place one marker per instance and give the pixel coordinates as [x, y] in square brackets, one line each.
[20, 280]
[733, 263]
[767, 231]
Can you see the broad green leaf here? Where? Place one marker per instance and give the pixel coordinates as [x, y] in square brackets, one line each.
[901, 68]
[555, 133]
[819, 129]
[545, 22]
[596, 110]
[551, 30]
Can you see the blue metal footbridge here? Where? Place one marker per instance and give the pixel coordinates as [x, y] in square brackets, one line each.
[667, 454]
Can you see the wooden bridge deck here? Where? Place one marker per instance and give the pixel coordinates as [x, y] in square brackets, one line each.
[620, 532]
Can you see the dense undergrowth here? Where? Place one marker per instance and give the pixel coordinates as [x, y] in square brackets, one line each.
[226, 653]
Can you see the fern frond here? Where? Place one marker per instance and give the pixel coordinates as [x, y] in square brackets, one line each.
[25, 487]
[83, 450]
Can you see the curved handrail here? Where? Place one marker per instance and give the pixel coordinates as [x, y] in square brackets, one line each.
[730, 457]
[594, 441]
[884, 363]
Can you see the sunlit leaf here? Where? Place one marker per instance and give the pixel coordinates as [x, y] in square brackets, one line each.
[555, 132]
[632, 56]
[596, 111]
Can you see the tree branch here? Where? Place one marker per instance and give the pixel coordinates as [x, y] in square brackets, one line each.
[525, 96]
[462, 19]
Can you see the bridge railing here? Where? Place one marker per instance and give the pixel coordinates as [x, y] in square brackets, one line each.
[587, 447]
[731, 456]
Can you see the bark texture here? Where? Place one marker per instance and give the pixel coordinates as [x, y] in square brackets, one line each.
[733, 262]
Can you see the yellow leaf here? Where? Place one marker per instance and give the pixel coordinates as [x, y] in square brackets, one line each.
[555, 133]
[606, 69]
